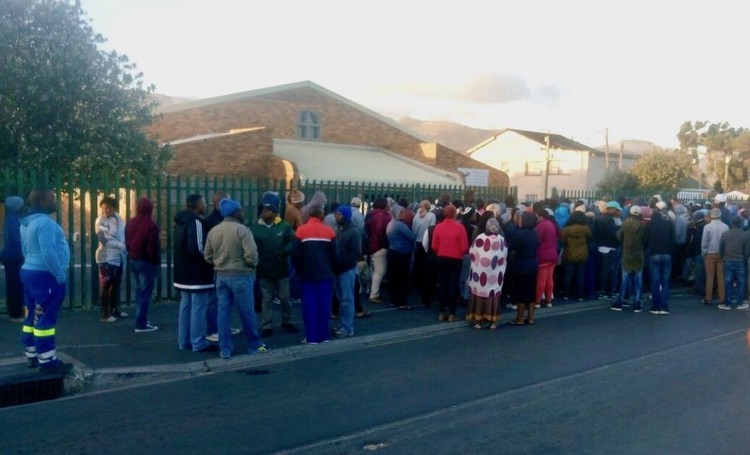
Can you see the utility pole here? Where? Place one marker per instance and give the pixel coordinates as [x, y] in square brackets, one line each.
[606, 151]
[620, 164]
[546, 165]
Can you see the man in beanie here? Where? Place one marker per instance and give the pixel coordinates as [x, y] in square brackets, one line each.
[44, 275]
[213, 220]
[735, 248]
[313, 258]
[347, 251]
[275, 239]
[193, 277]
[144, 253]
[231, 249]
[12, 258]
[711, 250]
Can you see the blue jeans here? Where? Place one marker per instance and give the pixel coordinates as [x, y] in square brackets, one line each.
[212, 312]
[634, 279]
[661, 269]
[191, 323]
[700, 275]
[144, 275]
[734, 270]
[234, 289]
[345, 293]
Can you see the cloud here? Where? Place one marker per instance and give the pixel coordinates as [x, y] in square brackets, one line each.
[494, 88]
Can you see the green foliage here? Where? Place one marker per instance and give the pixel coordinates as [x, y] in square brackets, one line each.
[619, 183]
[65, 104]
[721, 142]
[660, 171]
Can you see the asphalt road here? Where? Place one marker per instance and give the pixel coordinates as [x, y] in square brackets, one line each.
[593, 382]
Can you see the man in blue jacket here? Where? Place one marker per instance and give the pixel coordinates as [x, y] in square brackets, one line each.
[44, 275]
[347, 251]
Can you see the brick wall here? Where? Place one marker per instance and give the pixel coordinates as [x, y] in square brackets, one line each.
[247, 153]
[341, 123]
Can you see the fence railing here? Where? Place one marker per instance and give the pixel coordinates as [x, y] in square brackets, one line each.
[79, 199]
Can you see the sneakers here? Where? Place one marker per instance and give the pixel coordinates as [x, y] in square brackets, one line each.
[637, 309]
[213, 337]
[616, 307]
[724, 307]
[119, 314]
[663, 312]
[259, 350]
[304, 341]
[147, 328]
[109, 319]
[654, 311]
[376, 299]
[510, 305]
[742, 306]
[342, 333]
[235, 331]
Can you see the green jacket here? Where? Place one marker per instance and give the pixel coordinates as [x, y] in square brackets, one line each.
[633, 238]
[275, 244]
[575, 240]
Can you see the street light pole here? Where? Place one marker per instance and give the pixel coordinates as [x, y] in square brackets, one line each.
[546, 166]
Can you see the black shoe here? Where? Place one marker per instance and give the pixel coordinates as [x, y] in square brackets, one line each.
[33, 362]
[56, 367]
[266, 333]
[289, 327]
[209, 348]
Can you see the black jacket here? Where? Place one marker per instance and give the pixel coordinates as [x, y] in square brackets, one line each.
[191, 271]
[660, 235]
[347, 247]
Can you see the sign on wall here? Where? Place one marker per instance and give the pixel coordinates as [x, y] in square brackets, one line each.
[475, 177]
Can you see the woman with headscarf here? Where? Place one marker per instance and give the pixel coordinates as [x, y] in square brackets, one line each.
[422, 221]
[576, 236]
[488, 254]
[522, 252]
[398, 257]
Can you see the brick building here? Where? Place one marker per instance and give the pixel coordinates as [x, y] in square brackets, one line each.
[274, 132]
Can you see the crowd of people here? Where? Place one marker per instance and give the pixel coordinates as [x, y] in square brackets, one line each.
[481, 255]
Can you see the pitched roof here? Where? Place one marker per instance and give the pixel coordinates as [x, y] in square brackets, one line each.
[556, 141]
[342, 163]
[166, 109]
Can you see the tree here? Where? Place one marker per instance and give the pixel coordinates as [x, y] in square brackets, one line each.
[619, 183]
[65, 104]
[661, 171]
[722, 142]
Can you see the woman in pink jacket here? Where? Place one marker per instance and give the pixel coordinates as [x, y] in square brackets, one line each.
[548, 233]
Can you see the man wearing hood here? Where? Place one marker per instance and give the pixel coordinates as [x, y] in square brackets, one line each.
[274, 238]
[144, 253]
[193, 276]
[12, 258]
[44, 276]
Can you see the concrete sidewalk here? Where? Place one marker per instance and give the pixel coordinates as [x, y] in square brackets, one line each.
[112, 355]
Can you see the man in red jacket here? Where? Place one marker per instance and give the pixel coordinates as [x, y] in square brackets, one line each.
[144, 253]
[377, 243]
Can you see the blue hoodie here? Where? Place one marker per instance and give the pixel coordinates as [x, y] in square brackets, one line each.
[44, 246]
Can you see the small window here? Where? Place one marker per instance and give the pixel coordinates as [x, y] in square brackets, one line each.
[534, 168]
[556, 168]
[308, 125]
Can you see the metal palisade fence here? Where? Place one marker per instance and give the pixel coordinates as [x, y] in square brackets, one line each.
[79, 198]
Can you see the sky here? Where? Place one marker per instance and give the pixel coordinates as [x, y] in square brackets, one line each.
[586, 70]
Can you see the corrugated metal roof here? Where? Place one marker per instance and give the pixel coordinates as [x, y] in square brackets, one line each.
[343, 163]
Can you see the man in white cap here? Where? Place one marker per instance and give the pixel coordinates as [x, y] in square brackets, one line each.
[633, 238]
